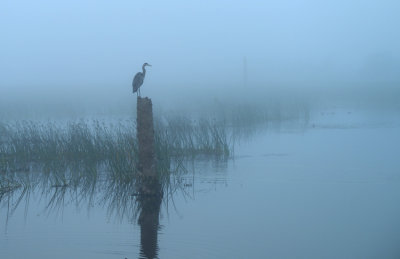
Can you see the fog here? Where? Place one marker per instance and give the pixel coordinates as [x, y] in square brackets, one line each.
[273, 130]
[90, 50]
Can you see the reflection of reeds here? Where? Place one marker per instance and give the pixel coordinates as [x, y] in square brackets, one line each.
[6, 186]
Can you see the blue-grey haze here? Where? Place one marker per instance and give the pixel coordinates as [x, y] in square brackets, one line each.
[64, 50]
[315, 169]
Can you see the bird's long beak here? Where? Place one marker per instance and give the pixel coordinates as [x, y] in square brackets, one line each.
[149, 65]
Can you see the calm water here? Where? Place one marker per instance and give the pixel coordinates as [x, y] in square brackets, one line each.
[327, 190]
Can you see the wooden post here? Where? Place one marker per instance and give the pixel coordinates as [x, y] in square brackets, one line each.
[150, 191]
[145, 136]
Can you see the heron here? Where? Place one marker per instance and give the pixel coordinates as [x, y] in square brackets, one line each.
[138, 79]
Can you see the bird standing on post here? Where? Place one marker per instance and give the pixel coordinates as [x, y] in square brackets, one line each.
[138, 79]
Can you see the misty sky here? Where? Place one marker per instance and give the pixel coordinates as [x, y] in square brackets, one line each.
[85, 44]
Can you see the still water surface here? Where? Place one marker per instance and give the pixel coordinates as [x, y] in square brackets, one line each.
[328, 190]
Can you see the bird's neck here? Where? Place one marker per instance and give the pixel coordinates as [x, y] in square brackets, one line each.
[144, 70]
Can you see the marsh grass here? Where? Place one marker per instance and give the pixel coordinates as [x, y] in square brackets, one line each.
[90, 145]
[114, 146]
[87, 162]
[92, 161]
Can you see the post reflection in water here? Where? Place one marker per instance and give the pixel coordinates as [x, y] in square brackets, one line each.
[149, 220]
